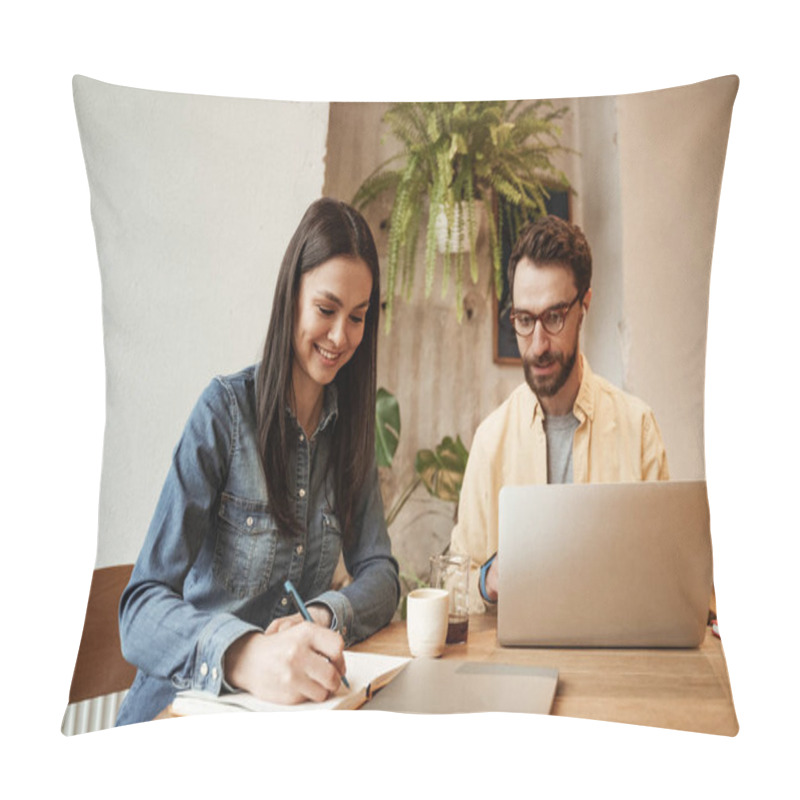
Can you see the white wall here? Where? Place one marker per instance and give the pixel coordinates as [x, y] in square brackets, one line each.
[648, 183]
[596, 208]
[194, 200]
[672, 148]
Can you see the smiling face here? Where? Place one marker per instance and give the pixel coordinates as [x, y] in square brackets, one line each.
[330, 314]
[550, 361]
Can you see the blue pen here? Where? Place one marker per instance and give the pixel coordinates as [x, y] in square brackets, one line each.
[289, 586]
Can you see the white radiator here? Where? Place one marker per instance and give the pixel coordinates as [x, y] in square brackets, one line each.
[95, 714]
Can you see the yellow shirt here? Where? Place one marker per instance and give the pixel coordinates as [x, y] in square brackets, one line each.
[617, 440]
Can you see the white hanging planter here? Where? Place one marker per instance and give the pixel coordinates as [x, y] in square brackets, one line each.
[459, 235]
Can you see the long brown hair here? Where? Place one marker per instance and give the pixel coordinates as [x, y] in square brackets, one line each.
[329, 228]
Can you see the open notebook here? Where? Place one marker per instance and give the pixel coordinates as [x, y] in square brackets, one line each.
[366, 673]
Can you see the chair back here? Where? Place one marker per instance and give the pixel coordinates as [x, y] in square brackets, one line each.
[100, 668]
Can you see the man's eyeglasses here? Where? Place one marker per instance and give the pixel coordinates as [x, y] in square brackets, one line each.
[552, 319]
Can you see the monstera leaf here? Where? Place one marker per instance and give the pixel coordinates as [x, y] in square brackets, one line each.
[387, 427]
[442, 469]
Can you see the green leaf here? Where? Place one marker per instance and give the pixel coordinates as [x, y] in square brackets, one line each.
[387, 427]
[453, 152]
[442, 469]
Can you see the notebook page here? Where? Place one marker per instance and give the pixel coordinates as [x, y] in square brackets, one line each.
[362, 670]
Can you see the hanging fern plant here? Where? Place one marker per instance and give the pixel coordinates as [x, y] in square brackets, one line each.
[455, 155]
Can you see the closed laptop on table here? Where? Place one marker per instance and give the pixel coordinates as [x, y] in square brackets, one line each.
[444, 686]
[604, 565]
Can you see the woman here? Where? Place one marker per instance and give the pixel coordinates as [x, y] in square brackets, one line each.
[274, 476]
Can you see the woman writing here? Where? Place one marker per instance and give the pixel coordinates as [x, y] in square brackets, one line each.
[273, 478]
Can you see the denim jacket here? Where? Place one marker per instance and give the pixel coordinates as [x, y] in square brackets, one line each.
[213, 564]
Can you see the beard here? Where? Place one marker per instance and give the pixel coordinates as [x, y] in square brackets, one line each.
[552, 384]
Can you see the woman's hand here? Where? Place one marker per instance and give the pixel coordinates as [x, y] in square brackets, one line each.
[301, 661]
[319, 613]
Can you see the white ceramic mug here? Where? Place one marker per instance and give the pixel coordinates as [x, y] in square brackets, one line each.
[426, 621]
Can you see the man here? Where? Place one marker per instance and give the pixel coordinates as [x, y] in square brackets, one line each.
[564, 424]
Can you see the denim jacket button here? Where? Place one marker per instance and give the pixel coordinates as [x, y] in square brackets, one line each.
[302, 438]
[249, 522]
[284, 600]
[299, 550]
[214, 673]
[302, 493]
[204, 669]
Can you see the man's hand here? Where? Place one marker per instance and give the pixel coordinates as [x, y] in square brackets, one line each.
[491, 581]
[301, 661]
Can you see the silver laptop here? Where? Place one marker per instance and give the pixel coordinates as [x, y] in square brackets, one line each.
[442, 686]
[604, 565]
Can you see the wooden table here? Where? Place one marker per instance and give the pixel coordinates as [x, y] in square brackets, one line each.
[685, 689]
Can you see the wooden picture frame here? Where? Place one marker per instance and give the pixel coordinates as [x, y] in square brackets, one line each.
[504, 340]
